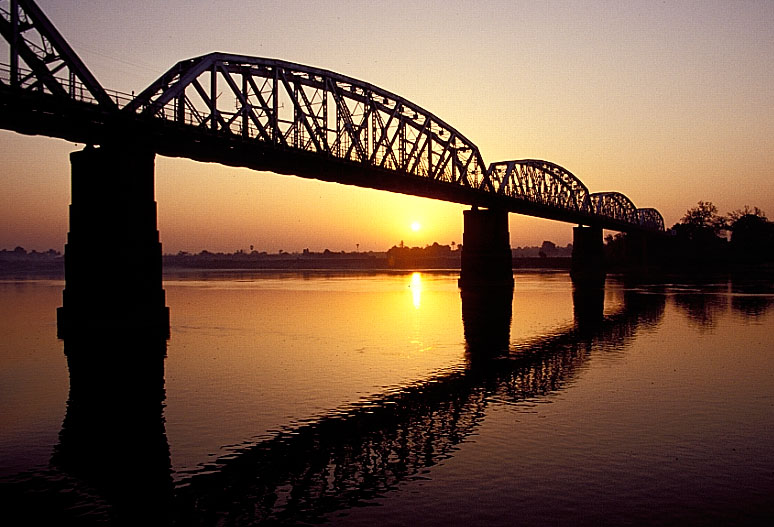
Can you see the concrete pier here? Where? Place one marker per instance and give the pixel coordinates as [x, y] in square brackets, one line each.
[113, 253]
[486, 250]
[588, 256]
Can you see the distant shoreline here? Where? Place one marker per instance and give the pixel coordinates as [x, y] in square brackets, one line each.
[54, 268]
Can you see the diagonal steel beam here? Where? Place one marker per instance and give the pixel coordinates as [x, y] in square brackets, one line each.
[43, 25]
[362, 127]
[343, 111]
[311, 114]
[300, 110]
[399, 132]
[242, 98]
[170, 85]
[384, 129]
[270, 112]
[209, 102]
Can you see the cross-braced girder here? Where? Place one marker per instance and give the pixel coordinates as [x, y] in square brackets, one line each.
[290, 106]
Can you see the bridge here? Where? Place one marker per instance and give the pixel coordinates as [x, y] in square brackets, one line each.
[268, 115]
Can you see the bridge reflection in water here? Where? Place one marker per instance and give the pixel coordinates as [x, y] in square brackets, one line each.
[113, 442]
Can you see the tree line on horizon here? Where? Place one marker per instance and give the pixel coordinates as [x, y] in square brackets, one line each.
[703, 238]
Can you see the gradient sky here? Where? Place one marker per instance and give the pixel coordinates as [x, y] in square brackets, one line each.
[667, 102]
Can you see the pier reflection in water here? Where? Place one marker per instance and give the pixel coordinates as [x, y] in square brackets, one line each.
[113, 439]
[113, 461]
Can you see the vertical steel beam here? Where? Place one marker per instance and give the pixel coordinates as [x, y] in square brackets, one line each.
[325, 116]
[180, 108]
[402, 143]
[275, 107]
[245, 99]
[339, 129]
[296, 116]
[430, 150]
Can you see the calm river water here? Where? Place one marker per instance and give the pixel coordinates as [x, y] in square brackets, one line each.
[390, 399]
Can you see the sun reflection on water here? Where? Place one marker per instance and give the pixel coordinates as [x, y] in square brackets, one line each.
[416, 289]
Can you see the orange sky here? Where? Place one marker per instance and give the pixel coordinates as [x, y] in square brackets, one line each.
[669, 103]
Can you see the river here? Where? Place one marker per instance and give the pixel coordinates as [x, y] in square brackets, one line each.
[392, 399]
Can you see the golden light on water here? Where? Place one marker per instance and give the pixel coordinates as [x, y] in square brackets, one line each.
[416, 289]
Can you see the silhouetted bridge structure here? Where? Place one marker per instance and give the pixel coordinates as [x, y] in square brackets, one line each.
[277, 116]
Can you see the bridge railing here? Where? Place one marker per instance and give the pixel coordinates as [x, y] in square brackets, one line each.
[75, 89]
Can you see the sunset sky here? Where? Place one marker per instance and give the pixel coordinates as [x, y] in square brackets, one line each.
[667, 102]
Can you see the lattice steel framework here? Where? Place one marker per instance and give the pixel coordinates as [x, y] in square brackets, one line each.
[650, 219]
[40, 60]
[291, 106]
[614, 205]
[540, 182]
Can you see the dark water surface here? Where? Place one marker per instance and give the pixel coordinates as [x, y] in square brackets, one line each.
[392, 399]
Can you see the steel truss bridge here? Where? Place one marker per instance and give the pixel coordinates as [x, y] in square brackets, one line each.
[287, 118]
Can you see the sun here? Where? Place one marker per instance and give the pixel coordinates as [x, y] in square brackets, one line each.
[415, 226]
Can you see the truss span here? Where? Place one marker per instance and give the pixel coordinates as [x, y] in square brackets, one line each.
[290, 106]
[540, 182]
[615, 206]
[650, 219]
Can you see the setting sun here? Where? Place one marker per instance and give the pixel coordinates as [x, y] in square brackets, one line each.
[415, 226]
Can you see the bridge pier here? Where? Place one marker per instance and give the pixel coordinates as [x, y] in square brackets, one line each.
[588, 256]
[113, 253]
[486, 250]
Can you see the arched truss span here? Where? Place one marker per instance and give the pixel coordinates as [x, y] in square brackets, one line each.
[539, 182]
[290, 106]
[614, 205]
[650, 219]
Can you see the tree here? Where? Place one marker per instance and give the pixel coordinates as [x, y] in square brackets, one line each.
[704, 217]
[752, 235]
[548, 248]
[697, 240]
[738, 214]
